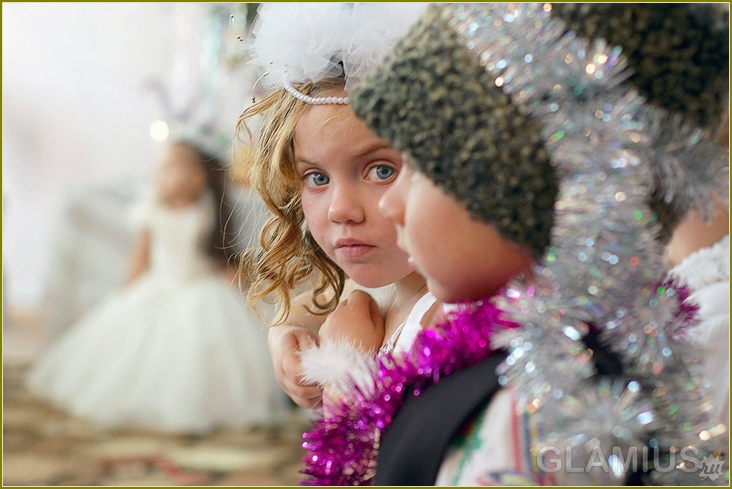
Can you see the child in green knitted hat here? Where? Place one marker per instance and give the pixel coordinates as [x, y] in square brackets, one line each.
[538, 190]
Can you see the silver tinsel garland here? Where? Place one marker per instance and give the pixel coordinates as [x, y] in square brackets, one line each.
[604, 266]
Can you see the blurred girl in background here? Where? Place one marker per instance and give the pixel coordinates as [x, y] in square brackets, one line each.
[176, 349]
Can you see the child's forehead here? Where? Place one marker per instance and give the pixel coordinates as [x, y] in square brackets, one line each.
[180, 151]
[325, 125]
[180, 156]
[326, 119]
[330, 138]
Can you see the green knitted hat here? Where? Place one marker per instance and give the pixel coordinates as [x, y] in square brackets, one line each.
[679, 60]
[432, 99]
[678, 52]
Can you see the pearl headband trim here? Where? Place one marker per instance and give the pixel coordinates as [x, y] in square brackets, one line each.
[311, 100]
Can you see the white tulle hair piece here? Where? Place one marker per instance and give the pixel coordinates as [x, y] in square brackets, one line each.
[304, 42]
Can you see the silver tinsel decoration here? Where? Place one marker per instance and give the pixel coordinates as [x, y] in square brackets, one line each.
[604, 266]
[617, 411]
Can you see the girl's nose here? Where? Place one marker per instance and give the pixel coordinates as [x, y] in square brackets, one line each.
[346, 206]
[391, 203]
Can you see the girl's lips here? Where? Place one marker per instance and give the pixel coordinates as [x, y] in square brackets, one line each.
[350, 248]
[354, 250]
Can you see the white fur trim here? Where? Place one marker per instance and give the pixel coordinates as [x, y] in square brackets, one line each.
[337, 365]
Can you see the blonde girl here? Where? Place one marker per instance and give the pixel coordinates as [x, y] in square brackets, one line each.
[321, 173]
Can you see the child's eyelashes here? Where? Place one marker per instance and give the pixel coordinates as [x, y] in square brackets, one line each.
[315, 179]
[381, 173]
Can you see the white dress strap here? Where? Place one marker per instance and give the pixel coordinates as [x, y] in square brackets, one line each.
[413, 324]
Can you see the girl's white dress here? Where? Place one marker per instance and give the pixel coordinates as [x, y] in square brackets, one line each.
[177, 350]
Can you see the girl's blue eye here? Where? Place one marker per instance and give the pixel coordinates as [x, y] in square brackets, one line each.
[317, 179]
[382, 172]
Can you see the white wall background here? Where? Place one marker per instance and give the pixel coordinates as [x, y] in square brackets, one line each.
[76, 110]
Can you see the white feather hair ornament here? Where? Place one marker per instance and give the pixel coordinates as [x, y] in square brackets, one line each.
[308, 41]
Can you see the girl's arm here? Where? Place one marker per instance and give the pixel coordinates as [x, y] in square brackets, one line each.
[299, 332]
[286, 341]
[349, 340]
[140, 257]
[358, 321]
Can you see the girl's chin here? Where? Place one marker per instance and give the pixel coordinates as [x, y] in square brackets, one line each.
[369, 278]
[370, 283]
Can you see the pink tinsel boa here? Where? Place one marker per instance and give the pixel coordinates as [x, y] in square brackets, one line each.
[343, 445]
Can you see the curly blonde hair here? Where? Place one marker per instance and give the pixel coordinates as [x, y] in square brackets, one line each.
[287, 256]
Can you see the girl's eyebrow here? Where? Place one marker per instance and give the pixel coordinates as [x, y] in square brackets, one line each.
[376, 146]
[303, 161]
[371, 148]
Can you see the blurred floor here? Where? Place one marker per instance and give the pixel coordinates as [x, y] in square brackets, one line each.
[43, 446]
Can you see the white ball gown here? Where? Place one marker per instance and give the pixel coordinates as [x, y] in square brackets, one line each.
[177, 350]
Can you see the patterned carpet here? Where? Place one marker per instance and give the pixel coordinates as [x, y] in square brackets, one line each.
[46, 447]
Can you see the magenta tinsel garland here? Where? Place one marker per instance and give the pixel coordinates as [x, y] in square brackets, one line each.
[686, 316]
[342, 445]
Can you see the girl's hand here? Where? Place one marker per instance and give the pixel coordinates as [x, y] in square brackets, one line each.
[285, 343]
[356, 319]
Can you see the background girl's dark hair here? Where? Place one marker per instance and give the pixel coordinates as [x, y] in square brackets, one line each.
[219, 244]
